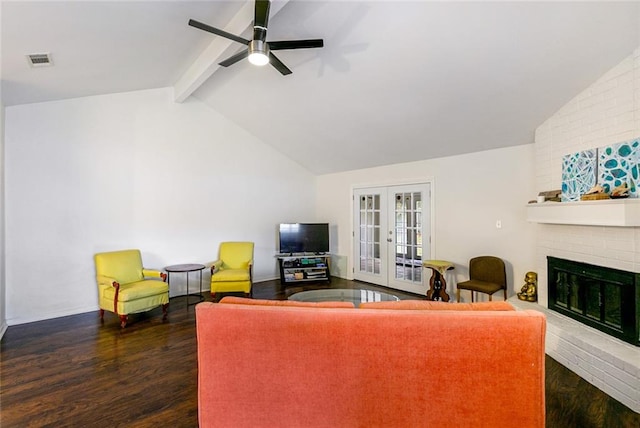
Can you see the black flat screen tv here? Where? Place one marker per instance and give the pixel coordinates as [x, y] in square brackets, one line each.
[304, 238]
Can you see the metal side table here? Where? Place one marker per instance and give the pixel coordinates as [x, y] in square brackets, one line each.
[186, 268]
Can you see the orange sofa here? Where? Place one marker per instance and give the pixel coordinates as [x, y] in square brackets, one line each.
[293, 364]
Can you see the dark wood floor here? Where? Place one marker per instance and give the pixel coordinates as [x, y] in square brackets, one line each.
[75, 372]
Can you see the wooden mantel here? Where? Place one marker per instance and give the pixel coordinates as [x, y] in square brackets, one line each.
[610, 212]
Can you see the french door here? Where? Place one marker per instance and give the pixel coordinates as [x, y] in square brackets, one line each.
[392, 235]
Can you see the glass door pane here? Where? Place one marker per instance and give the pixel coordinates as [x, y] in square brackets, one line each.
[368, 236]
[593, 298]
[562, 289]
[575, 296]
[408, 236]
[408, 249]
[612, 305]
[389, 235]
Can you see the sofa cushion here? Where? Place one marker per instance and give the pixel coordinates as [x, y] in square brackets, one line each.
[226, 275]
[439, 306]
[260, 302]
[136, 290]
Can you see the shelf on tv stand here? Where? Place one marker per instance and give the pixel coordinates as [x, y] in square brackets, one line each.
[301, 254]
[303, 267]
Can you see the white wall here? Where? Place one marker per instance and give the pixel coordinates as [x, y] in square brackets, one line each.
[470, 193]
[605, 113]
[3, 309]
[3, 306]
[134, 170]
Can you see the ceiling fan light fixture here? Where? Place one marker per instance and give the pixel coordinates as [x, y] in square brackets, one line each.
[258, 53]
[258, 50]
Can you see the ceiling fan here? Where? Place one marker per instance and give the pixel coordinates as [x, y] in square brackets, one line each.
[259, 50]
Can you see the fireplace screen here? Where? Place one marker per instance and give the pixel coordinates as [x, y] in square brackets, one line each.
[603, 298]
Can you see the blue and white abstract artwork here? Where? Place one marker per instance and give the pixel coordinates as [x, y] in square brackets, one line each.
[618, 164]
[579, 173]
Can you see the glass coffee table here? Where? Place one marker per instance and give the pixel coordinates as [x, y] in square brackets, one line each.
[355, 296]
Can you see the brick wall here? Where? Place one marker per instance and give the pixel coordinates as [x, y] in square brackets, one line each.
[607, 112]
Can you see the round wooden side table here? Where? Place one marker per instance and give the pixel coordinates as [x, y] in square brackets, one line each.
[438, 284]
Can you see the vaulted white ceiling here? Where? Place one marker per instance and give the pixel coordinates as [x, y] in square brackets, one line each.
[396, 81]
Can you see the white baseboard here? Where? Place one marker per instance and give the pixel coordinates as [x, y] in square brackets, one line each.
[3, 328]
[51, 315]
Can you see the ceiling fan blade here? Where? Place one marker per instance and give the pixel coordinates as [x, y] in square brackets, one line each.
[278, 65]
[218, 32]
[235, 58]
[261, 17]
[296, 44]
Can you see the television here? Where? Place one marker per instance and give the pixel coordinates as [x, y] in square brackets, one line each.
[304, 238]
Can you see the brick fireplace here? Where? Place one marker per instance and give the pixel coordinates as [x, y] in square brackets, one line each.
[603, 298]
[602, 359]
[602, 233]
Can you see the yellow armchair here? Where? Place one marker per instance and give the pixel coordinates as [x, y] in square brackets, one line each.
[233, 269]
[125, 287]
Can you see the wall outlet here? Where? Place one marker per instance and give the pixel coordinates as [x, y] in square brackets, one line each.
[498, 224]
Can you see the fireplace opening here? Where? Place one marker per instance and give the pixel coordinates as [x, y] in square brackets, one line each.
[604, 298]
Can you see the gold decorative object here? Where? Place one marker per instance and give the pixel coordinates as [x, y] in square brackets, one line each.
[595, 189]
[622, 191]
[551, 195]
[529, 292]
[594, 197]
[594, 194]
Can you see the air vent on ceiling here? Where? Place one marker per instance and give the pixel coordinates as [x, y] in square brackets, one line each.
[39, 60]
